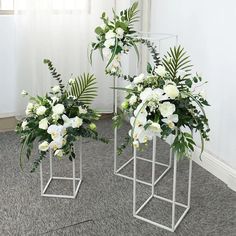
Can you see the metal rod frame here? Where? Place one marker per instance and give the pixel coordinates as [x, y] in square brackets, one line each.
[153, 195]
[116, 169]
[73, 178]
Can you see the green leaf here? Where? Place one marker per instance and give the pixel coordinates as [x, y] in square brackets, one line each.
[98, 30]
[113, 53]
[84, 88]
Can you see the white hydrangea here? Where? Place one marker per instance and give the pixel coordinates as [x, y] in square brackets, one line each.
[29, 109]
[56, 89]
[139, 79]
[160, 70]
[119, 33]
[109, 42]
[24, 124]
[58, 109]
[109, 35]
[133, 99]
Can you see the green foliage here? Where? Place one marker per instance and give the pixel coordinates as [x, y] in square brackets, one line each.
[84, 88]
[54, 73]
[176, 60]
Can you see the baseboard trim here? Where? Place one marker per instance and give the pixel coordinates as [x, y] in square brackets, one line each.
[216, 167]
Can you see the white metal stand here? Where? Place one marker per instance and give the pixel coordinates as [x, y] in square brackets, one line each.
[154, 37]
[173, 202]
[73, 178]
[118, 170]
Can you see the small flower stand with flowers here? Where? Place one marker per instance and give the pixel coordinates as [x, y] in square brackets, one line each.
[137, 212]
[73, 179]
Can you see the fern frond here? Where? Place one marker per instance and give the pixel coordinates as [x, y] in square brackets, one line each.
[84, 88]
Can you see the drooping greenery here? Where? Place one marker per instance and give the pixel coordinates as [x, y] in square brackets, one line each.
[59, 118]
[167, 102]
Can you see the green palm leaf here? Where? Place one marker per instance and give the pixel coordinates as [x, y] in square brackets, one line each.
[175, 60]
[84, 88]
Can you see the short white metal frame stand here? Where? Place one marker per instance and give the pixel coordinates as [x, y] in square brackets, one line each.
[118, 170]
[136, 212]
[73, 178]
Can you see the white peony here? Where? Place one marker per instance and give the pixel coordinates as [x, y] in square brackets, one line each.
[170, 120]
[139, 79]
[110, 34]
[24, 124]
[171, 91]
[133, 100]
[43, 124]
[160, 70]
[29, 108]
[58, 109]
[41, 110]
[119, 33]
[43, 146]
[109, 42]
[166, 109]
[76, 122]
[56, 89]
[58, 153]
[82, 110]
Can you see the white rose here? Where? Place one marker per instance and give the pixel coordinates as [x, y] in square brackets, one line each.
[82, 110]
[146, 95]
[43, 124]
[171, 91]
[110, 34]
[41, 110]
[132, 100]
[119, 33]
[76, 122]
[24, 124]
[56, 89]
[29, 108]
[109, 42]
[160, 70]
[58, 109]
[24, 93]
[43, 146]
[58, 153]
[166, 109]
[139, 79]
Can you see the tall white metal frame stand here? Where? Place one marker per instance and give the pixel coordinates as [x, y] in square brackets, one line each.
[73, 178]
[117, 169]
[173, 202]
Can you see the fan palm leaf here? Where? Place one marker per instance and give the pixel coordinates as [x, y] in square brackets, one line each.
[84, 88]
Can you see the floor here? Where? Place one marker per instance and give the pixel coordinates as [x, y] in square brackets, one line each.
[104, 203]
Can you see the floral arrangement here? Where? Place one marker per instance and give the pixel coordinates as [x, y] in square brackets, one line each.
[116, 36]
[166, 102]
[59, 118]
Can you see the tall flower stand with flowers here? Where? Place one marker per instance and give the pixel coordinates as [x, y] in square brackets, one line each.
[73, 179]
[186, 206]
[148, 38]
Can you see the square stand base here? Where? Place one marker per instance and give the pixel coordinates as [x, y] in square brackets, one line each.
[174, 226]
[167, 166]
[44, 194]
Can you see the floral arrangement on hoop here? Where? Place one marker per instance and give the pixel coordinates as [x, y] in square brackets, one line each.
[164, 103]
[116, 36]
[59, 118]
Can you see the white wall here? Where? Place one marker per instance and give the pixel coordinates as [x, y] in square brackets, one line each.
[207, 31]
[7, 81]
